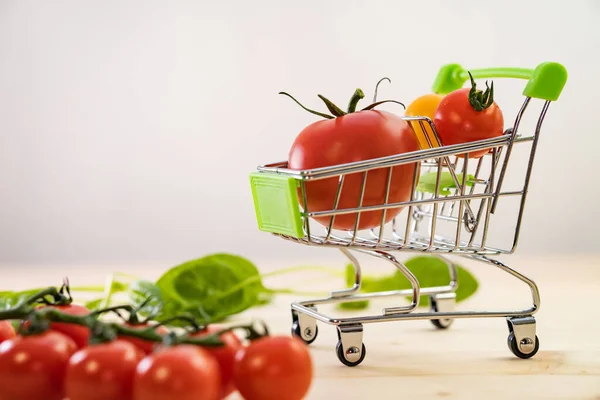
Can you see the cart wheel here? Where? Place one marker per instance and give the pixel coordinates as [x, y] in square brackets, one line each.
[304, 327]
[442, 323]
[436, 302]
[350, 353]
[525, 343]
[308, 336]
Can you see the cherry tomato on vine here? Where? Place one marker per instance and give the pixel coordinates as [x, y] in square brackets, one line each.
[225, 355]
[102, 371]
[467, 115]
[181, 372]
[79, 334]
[424, 106]
[7, 331]
[274, 368]
[33, 366]
[354, 136]
[146, 346]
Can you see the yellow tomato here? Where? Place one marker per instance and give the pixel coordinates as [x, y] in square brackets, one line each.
[424, 106]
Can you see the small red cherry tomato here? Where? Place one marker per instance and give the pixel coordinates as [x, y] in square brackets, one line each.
[79, 334]
[102, 371]
[182, 372]
[468, 115]
[274, 368]
[7, 331]
[225, 355]
[33, 366]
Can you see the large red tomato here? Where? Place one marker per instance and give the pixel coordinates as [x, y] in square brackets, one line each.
[102, 371]
[467, 115]
[33, 367]
[355, 136]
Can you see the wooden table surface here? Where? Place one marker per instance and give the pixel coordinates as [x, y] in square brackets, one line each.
[412, 359]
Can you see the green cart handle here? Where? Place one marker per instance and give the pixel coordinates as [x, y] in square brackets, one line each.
[545, 82]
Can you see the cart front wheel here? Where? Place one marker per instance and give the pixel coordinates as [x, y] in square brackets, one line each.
[304, 326]
[526, 349]
[309, 334]
[355, 358]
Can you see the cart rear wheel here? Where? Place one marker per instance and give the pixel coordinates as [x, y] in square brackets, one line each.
[351, 352]
[435, 307]
[525, 343]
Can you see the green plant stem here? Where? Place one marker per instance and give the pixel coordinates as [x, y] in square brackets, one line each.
[282, 271]
[26, 310]
[356, 97]
[52, 291]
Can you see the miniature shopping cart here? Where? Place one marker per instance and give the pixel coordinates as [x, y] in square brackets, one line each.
[452, 220]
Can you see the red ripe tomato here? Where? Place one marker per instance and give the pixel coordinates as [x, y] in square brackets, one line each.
[33, 366]
[467, 115]
[274, 368]
[225, 356]
[102, 371]
[146, 346]
[182, 372]
[7, 331]
[356, 136]
[79, 334]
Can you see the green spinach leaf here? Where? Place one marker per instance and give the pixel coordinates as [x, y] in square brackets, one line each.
[218, 285]
[429, 271]
[427, 182]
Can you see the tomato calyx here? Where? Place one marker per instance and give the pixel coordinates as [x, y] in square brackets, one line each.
[352, 104]
[480, 100]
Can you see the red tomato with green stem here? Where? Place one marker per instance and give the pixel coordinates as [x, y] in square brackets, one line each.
[7, 331]
[182, 372]
[467, 115]
[225, 355]
[146, 346]
[33, 366]
[274, 368]
[102, 371]
[80, 334]
[349, 136]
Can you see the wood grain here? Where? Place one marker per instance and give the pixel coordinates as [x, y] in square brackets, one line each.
[414, 360]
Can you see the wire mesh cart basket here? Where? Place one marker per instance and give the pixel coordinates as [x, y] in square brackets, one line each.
[451, 220]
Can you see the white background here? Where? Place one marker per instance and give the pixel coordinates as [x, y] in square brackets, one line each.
[128, 128]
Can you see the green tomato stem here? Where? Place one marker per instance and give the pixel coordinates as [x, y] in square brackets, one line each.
[377, 87]
[356, 97]
[480, 100]
[372, 106]
[335, 110]
[307, 109]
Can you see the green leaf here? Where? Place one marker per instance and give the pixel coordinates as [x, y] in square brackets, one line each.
[354, 305]
[10, 299]
[219, 284]
[430, 271]
[94, 304]
[146, 296]
[427, 182]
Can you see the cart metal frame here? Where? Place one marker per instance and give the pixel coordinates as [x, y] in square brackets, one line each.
[467, 209]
